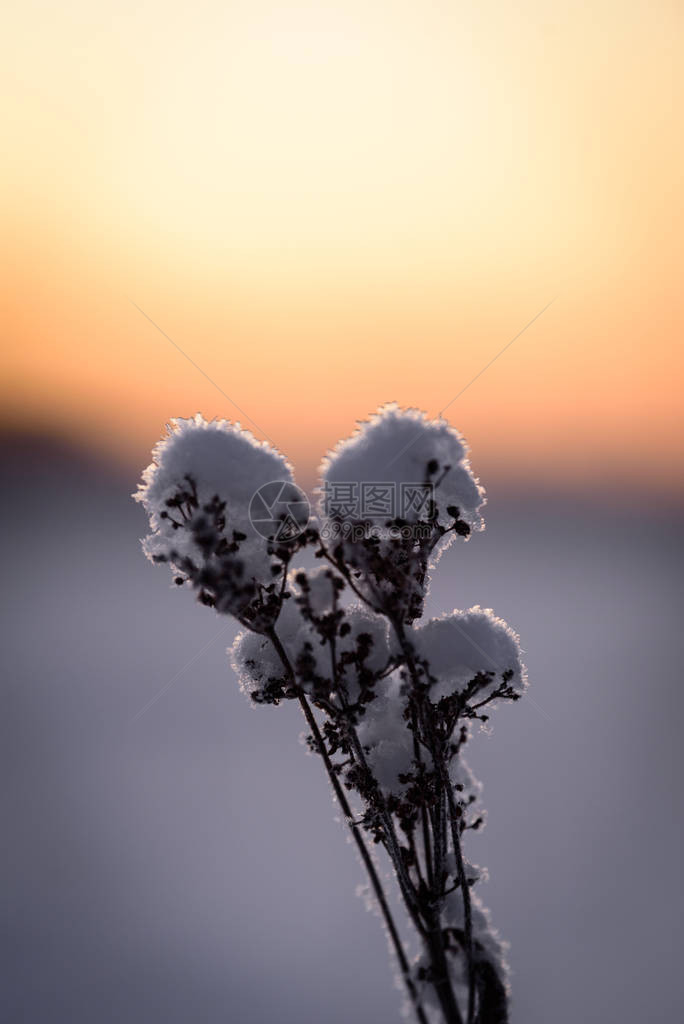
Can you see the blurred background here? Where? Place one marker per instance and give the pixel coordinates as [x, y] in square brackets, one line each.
[287, 214]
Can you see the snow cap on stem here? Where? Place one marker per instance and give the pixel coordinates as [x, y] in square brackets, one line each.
[197, 492]
[309, 627]
[393, 496]
[461, 645]
[402, 449]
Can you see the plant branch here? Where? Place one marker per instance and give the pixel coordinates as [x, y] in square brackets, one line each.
[358, 838]
[442, 772]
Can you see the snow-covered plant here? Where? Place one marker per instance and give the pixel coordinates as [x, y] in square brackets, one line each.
[389, 698]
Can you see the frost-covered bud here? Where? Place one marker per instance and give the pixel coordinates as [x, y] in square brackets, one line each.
[491, 970]
[362, 651]
[489, 951]
[467, 791]
[197, 493]
[392, 498]
[259, 669]
[473, 872]
[472, 653]
[343, 667]
[385, 733]
[394, 465]
[259, 666]
[312, 631]
[319, 589]
[489, 967]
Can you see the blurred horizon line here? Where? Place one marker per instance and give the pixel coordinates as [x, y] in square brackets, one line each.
[40, 448]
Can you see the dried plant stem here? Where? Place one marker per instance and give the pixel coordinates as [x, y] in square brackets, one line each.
[436, 751]
[391, 749]
[431, 930]
[424, 817]
[465, 890]
[391, 841]
[358, 837]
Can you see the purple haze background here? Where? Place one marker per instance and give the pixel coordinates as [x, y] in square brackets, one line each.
[184, 863]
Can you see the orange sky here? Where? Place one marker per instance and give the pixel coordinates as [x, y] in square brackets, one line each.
[330, 206]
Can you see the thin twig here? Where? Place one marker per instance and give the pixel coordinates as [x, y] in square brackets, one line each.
[440, 766]
[465, 892]
[358, 838]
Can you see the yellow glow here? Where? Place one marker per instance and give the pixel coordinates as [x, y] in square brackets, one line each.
[328, 206]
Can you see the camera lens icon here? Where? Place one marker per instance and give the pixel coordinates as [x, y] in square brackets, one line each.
[279, 511]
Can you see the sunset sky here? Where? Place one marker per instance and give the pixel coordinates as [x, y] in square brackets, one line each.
[328, 206]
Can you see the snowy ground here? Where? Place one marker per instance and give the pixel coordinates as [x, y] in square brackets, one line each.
[183, 863]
